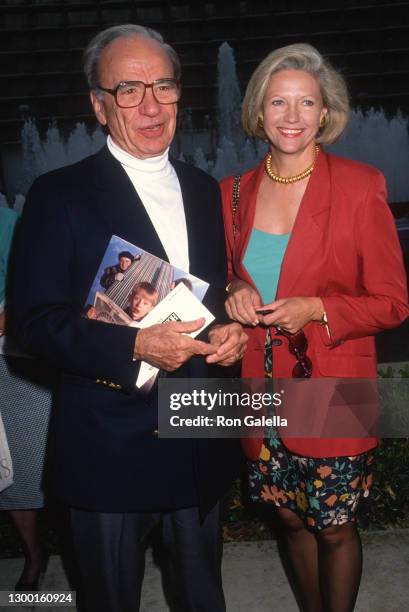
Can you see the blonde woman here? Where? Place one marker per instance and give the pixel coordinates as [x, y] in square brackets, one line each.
[312, 290]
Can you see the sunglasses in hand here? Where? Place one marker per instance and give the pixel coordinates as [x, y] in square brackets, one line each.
[297, 345]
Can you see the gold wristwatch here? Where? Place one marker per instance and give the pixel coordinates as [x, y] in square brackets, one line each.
[324, 323]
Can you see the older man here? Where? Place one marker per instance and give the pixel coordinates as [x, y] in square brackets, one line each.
[111, 468]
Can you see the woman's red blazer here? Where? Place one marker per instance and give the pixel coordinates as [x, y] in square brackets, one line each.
[343, 248]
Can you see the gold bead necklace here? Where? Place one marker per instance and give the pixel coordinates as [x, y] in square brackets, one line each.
[289, 179]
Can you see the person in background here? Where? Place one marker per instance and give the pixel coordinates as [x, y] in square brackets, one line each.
[315, 271]
[25, 403]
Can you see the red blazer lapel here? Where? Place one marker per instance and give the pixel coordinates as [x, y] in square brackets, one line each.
[308, 230]
[245, 220]
[310, 224]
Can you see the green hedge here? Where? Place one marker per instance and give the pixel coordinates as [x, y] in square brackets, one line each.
[388, 503]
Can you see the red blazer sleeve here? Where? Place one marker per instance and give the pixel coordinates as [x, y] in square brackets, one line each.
[382, 301]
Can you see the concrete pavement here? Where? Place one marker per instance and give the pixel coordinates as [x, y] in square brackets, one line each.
[254, 580]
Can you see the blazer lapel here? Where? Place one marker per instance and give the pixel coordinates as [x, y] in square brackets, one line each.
[246, 213]
[245, 220]
[309, 228]
[120, 206]
[196, 215]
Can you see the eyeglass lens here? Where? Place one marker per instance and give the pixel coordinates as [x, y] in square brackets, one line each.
[303, 368]
[165, 91]
[298, 345]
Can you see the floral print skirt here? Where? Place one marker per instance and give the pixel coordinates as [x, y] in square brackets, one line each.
[322, 491]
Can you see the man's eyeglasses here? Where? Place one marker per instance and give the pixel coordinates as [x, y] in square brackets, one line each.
[131, 93]
[298, 345]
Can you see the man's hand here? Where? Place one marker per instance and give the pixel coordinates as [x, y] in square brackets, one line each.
[230, 341]
[242, 302]
[167, 346]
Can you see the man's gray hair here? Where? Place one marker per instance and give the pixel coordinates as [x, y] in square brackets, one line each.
[93, 51]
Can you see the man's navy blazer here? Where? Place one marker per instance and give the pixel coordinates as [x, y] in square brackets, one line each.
[105, 454]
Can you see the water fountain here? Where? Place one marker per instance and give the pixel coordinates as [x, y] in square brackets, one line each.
[375, 139]
[54, 152]
[371, 137]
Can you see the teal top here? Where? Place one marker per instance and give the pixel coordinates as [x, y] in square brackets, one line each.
[263, 259]
[8, 220]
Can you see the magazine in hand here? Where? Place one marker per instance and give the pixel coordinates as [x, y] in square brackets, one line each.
[133, 287]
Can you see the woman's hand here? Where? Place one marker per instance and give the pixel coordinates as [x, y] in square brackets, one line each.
[242, 302]
[292, 313]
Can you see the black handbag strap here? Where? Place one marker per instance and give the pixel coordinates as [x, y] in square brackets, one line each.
[235, 201]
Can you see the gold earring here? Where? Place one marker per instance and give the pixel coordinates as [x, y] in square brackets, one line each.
[260, 125]
[323, 120]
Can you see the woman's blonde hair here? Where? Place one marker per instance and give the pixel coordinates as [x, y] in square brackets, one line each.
[300, 56]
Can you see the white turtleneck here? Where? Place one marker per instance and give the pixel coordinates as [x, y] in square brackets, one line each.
[157, 185]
